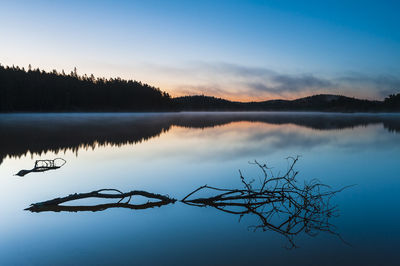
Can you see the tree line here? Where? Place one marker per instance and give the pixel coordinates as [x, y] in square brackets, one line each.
[38, 90]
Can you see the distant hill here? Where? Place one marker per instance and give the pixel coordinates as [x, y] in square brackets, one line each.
[206, 103]
[321, 102]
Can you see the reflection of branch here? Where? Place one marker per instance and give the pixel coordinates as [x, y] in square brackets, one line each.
[54, 204]
[279, 203]
[43, 166]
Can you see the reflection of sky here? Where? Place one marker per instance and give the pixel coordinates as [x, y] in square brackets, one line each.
[179, 161]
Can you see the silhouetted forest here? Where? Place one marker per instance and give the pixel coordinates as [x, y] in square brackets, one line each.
[35, 90]
[39, 91]
[393, 102]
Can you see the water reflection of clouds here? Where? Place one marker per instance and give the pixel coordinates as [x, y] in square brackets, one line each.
[255, 140]
[239, 140]
[227, 134]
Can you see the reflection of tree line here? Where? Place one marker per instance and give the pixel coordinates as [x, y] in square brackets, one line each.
[22, 134]
[39, 136]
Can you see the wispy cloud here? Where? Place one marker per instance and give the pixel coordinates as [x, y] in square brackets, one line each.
[382, 84]
[239, 82]
[298, 83]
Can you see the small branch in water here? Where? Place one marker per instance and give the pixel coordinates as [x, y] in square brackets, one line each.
[43, 166]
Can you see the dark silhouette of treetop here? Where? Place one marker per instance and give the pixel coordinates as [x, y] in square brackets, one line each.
[36, 90]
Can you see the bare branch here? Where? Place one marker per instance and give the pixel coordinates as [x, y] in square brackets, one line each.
[43, 166]
[280, 204]
[54, 204]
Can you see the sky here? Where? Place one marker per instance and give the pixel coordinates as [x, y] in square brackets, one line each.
[239, 50]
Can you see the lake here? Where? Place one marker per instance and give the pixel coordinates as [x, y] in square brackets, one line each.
[175, 153]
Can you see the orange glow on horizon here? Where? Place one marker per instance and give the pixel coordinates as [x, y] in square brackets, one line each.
[265, 97]
[229, 97]
[243, 98]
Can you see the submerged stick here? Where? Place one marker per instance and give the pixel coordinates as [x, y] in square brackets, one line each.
[43, 166]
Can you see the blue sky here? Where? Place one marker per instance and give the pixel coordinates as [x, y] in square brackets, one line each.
[241, 50]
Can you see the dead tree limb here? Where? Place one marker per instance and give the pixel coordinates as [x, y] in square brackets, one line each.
[279, 202]
[54, 204]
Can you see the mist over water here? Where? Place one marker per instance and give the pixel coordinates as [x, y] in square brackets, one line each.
[174, 153]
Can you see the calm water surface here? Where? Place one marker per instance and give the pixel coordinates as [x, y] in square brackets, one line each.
[176, 153]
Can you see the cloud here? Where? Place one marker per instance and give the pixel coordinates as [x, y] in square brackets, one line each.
[298, 83]
[237, 70]
[382, 84]
[240, 82]
[284, 85]
[237, 81]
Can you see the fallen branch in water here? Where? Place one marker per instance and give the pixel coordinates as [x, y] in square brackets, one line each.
[279, 203]
[54, 204]
[43, 166]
